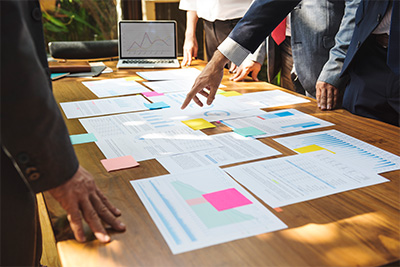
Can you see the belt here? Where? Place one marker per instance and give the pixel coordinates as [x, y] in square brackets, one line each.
[382, 39]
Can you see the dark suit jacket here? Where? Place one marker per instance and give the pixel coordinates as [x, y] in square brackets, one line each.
[36, 151]
[365, 24]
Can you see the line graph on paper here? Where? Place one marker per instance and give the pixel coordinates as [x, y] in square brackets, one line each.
[152, 41]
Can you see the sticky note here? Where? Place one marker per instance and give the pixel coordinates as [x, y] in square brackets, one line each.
[198, 124]
[82, 138]
[134, 78]
[310, 148]
[227, 199]
[248, 131]
[219, 91]
[278, 209]
[156, 105]
[230, 93]
[119, 163]
[152, 93]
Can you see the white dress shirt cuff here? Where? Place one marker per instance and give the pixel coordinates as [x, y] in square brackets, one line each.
[233, 51]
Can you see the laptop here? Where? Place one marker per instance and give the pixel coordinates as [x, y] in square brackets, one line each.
[147, 44]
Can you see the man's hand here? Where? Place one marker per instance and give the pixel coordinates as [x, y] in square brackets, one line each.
[81, 197]
[210, 78]
[244, 69]
[190, 49]
[326, 95]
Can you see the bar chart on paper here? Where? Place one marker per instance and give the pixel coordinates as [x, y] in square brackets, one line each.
[203, 208]
[350, 148]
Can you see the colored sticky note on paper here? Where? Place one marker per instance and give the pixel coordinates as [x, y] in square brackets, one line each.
[227, 199]
[230, 93]
[248, 131]
[82, 138]
[156, 105]
[310, 148]
[219, 91]
[198, 124]
[134, 78]
[152, 93]
[119, 163]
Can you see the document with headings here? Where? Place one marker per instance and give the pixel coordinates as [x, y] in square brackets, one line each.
[156, 144]
[97, 107]
[268, 99]
[293, 179]
[163, 75]
[115, 87]
[233, 148]
[278, 122]
[347, 147]
[193, 210]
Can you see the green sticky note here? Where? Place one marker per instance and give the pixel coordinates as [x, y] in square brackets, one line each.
[198, 124]
[82, 138]
[248, 131]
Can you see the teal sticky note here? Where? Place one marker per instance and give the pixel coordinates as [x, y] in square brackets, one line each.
[82, 138]
[156, 105]
[248, 131]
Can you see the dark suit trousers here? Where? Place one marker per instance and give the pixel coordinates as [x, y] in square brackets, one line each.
[21, 243]
[373, 89]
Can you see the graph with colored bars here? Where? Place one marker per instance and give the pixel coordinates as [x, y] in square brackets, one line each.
[345, 146]
[159, 42]
[197, 209]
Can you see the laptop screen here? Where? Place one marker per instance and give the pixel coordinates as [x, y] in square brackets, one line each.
[147, 39]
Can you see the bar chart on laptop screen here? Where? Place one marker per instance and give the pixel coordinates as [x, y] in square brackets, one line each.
[147, 40]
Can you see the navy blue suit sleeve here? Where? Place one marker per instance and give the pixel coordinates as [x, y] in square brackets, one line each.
[260, 20]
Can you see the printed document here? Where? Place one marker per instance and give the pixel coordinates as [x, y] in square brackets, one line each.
[193, 210]
[233, 148]
[293, 179]
[115, 87]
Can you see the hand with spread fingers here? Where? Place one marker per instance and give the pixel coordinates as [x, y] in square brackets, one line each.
[326, 95]
[208, 81]
[80, 197]
[248, 66]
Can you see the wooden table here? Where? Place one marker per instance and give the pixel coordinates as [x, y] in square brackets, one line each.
[355, 228]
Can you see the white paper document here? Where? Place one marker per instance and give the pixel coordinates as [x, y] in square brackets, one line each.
[233, 148]
[278, 122]
[172, 86]
[162, 75]
[193, 210]
[222, 108]
[97, 107]
[115, 87]
[348, 148]
[156, 144]
[293, 179]
[268, 99]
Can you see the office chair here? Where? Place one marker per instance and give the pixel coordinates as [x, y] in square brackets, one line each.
[83, 49]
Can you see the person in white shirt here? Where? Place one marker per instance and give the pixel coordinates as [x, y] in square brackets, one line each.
[219, 17]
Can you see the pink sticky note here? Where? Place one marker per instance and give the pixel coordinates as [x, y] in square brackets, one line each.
[152, 93]
[226, 199]
[278, 209]
[119, 163]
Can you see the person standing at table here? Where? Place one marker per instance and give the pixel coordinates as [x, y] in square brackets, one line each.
[36, 151]
[380, 102]
[219, 18]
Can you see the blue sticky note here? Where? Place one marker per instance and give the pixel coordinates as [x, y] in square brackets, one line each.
[82, 138]
[248, 131]
[156, 105]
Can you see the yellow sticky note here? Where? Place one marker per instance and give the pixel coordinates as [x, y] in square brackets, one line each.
[134, 78]
[219, 91]
[230, 93]
[310, 148]
[198, 124]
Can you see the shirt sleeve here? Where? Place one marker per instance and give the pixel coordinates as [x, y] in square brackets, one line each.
[188, 5]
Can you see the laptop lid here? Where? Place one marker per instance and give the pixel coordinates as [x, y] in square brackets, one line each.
[147, 39]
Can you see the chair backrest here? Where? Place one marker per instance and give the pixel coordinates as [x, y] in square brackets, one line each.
[83, 49]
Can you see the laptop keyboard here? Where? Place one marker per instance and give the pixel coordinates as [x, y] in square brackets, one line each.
[147, 61]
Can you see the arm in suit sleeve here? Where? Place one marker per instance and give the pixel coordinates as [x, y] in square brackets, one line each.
[258, 22]
[332, 68]
[33, 132]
